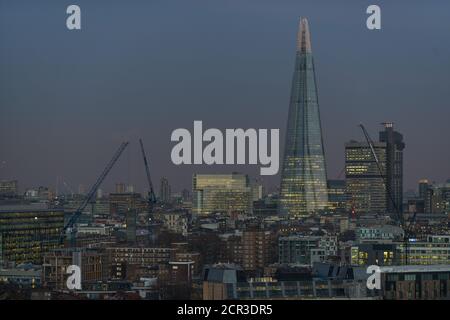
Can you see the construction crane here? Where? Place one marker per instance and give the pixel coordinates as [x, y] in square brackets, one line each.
[70, 225]
[151, 193]
[400, 218]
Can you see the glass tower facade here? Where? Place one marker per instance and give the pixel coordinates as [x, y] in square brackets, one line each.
[303, 177]
[366, 191]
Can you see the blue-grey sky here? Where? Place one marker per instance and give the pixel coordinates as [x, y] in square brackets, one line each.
[145, 68]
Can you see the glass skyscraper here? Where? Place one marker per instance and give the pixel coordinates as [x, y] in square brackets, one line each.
[303, 177]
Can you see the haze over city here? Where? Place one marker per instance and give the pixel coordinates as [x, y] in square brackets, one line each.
[143, 70]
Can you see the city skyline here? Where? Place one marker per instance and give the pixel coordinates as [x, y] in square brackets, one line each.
[51, 132]
[329, 175]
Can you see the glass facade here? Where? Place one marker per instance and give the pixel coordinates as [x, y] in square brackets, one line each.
[224, 193]
[303, 177]
[366, 191]
[26, 235]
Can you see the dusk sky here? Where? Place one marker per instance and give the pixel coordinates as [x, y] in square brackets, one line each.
[145, 68]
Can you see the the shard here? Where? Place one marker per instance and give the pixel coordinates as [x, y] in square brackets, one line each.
[303, 188]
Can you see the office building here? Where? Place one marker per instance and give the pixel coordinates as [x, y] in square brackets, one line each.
[303, 176]
[366, 191]
[26, 234]
[394, 167]
[224, 193]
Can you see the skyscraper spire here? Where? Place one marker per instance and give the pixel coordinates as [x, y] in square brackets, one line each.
[303, 177]
[303, 37]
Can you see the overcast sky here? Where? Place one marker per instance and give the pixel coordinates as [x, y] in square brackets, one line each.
[146, 68]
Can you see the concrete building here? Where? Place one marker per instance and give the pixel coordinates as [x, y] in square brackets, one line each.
[305, 250]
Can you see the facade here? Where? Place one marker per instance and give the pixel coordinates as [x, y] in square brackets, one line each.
[305, 250]
[337, 197]
[177, 222]
[25, 235]
[366, 191]
[121, 203]
[434, 250]
[93, 264]
[303, 177]
[439, 198]
[257, 249]
[8, 188]
[228, 282]
[394, 167]
[381, 254]
[224, 193]
[416, 282]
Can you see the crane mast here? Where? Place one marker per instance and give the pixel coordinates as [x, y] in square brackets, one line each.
[70, 225]
[151, 193]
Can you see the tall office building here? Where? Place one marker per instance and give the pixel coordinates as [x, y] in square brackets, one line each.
[366, 191]
[164, 191]
[394, 167]
[303, 176]
[226, 193]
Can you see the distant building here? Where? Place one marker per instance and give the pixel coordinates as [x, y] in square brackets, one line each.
[337, 197]
[164, 191]
[258, 249]
[394, 167]
[130, 218]
[257, 191]
[440, 198]
[26, 234]
[120, 187]
[224, 193]
[93, 264]
[305, 250]
[365, 188]
[8, 188]
[381, 254]
[435, 249]
[120, 203]
[177, 222]
[383, 233]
